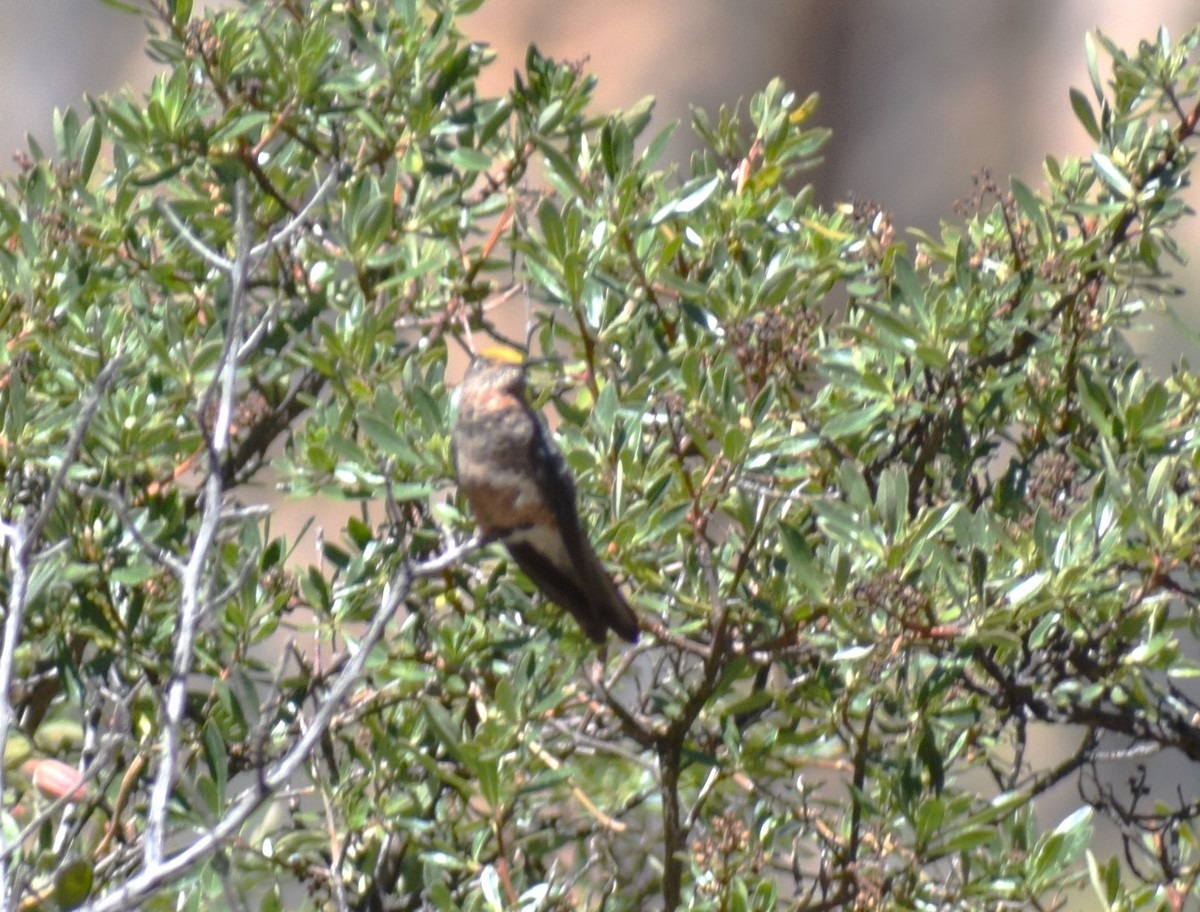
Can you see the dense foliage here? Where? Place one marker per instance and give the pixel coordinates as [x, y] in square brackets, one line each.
[912, 534]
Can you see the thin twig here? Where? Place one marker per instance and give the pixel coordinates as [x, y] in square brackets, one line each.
[197, 246]
[693, 815]
[192, 583]
[155, 551]
[74, 444]
[295, 222]
[93, 771]
[609, 823]
[259, 251]
[24, 536]
[172, 868]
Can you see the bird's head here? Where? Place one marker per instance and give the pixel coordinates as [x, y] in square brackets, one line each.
[498, 368]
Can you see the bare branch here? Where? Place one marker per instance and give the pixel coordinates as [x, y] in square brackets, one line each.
[153, 878]
[259, 251]
[156, 552]
[197, 246]
[297, 221]
[24, 536]
[192, 582]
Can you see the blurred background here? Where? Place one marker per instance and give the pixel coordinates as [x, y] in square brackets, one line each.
[920, 95]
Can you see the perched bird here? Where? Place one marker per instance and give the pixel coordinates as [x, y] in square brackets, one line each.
[517, 484]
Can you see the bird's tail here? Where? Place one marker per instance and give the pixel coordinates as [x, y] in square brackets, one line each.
[608, 607]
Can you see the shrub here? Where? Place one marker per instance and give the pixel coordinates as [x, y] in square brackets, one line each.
[892, 507]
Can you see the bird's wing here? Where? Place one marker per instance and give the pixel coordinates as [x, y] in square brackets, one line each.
[559, 587]
[557, 488]
[604, 604]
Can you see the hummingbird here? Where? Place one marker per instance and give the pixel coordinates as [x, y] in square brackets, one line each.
[517, 484]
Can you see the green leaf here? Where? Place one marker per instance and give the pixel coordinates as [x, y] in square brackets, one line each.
[694, 195]
[1089, 47]
[1084, 114]
[1112, 175]
[853, 422]
[73, 884]
[90, 136]
[1062, 847]
[444, 728]
[561, 168]
[1027, 588]
[383, 436]
[1093, 399]
[1030, 205]
[469, 160]
[551, 223]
